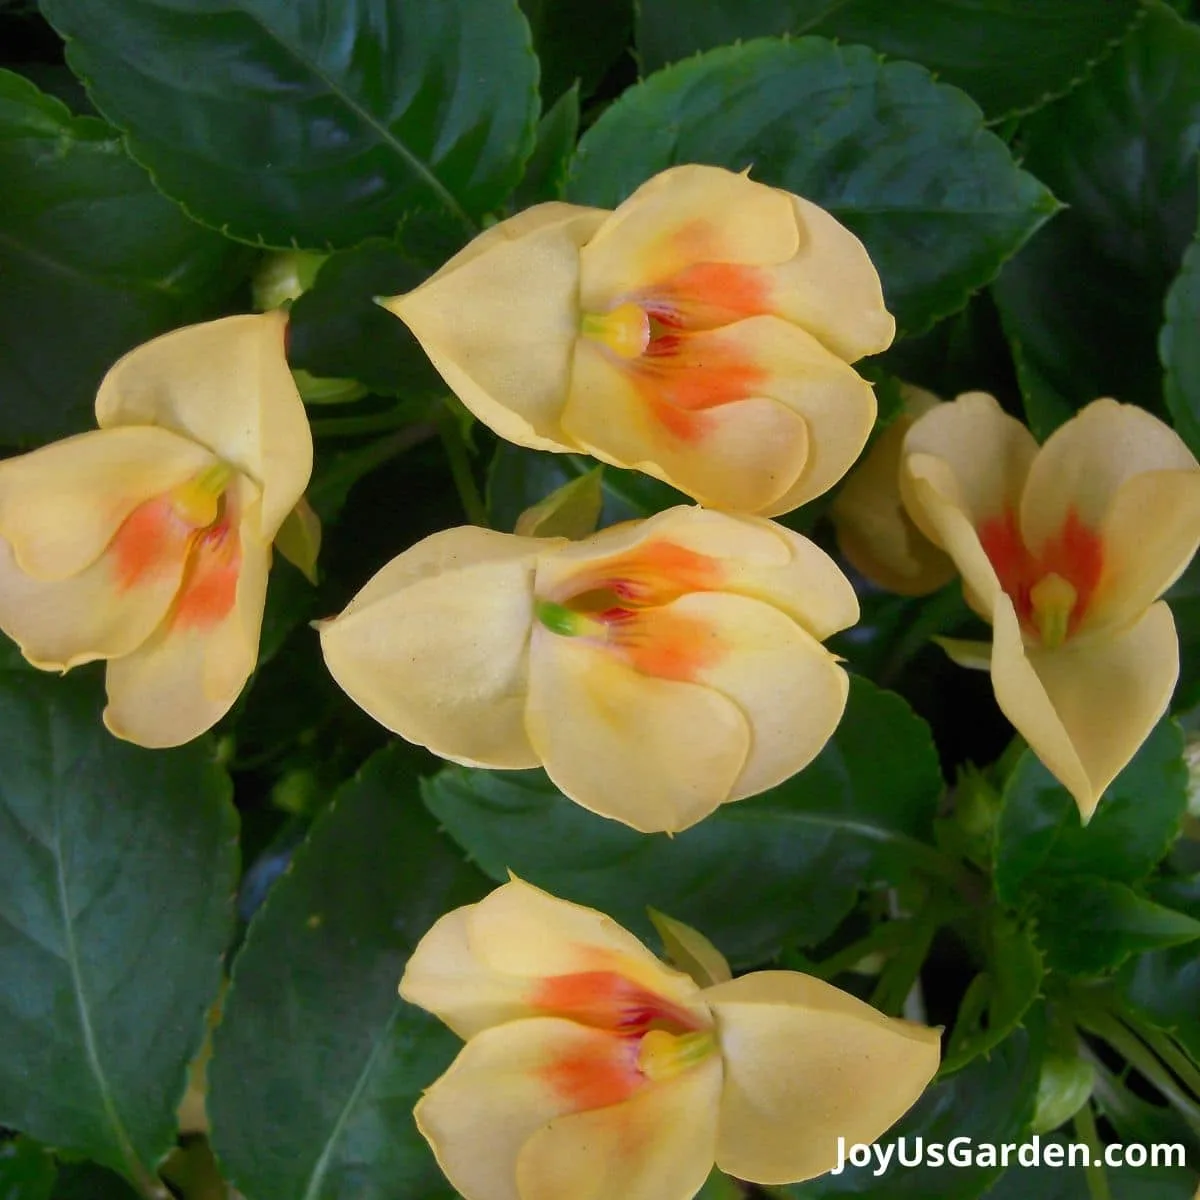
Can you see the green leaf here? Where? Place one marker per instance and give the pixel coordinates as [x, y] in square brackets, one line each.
[1010, 57]
[901, 160]
[27, 1171]
[1084, 299]
[784, 866]
[519, 478]
[93, 259]
[1070, 1183]
[317, 1062]
[85, 1181]
[1000, 996]
[1179, 349]
[1088, 926]
[314, 122]
[577, 42]
[1040, 836]
[989, 1102]
[337, 330]
[119, 867]
[546, 172]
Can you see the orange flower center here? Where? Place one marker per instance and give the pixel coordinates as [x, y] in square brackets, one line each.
[623, 605]
[190, 523]
[652, 1037]
[653, 335]
[1050, 590]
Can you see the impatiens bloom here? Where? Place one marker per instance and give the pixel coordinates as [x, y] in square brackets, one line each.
[592, 1071]
[1065, 550]
[655, 669]
[701, 332]
[147, 542]
[874, 531]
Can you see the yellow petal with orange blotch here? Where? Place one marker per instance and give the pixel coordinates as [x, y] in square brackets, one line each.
[501, 327]
[831, 288]
[444, 977]
[806, 1064]
[1086, 707]
[186, 677]
[1147, 539]
[787, 685]
[986, 456]
[65, 622]
[742, 452]
[225, 384]
[61, 506]
[1085, 461]
[654, 753]
[657, 1145]
[521, 930]
[435, 646]
[686, 215]
[507, 1083]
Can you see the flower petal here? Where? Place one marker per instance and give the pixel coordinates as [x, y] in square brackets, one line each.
[657, 1145]
[61, 506]
[742, 453]
[435, 646]
[225, 384]
[985, 455]
[655, 754]
[507, 1083]
[185, 678]
[787, 685]
[805, 1064]
[831, 288]
[686, 215]
[1149, 534]
[1062, 701]
[1085, 461]
[501, 326]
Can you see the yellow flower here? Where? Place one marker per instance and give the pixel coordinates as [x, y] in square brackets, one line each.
[656, 669]
[701, 333]
[875, 534]
[592, 1071]
[1065, 550]
[147, 542]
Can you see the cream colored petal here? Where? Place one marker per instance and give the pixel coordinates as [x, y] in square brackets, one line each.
[60, 506]
[787, 685]
[874, 532]
[685, 215]
[806, 1064]
[225, 384]
[65, 622]
[658, 1145]
[1085, 462]
[445, 978]
[501, 327]
[741, 455]
[1107, 693]
[1149, 534]
[181, 682]
[986, 455]
[975, 656]
[831, 287]
[521, 930]
[656, 754]
[435, 646]
[500, 1091]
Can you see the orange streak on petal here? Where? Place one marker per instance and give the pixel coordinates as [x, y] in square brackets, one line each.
[664, 644]
[707, 295]
[210, 588]
[656, 572]
[151, 538]
[608, 1000]
[597, 1074]
[1077, 554]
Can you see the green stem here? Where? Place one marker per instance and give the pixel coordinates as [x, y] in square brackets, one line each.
[904, 968]
[1097, 1179]
[885, 938]
[1175, 1059]
[460, 469]
[384, 422]
[351, 467]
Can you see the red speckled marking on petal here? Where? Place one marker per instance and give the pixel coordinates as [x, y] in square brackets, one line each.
[664, 644]
[150, 539]
[210, 588]
[595, 1075]
[655, 572]
[608, 1000]
[707, 295]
